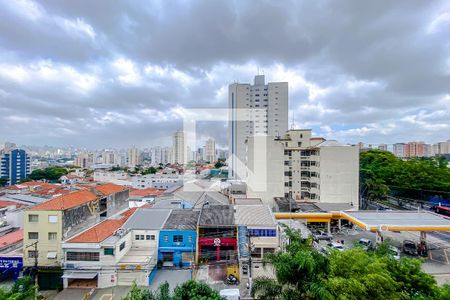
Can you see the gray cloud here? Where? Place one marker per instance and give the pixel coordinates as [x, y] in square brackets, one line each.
[99, 74]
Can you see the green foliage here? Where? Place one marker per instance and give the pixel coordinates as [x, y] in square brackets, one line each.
[3, 181]
[303, 273]
[219, 164]
[23, 289]
[151, 170]
[381, 172]
[52, 173]
[189, 290]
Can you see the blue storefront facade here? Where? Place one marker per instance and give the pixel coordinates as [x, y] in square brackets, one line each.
[178, 239]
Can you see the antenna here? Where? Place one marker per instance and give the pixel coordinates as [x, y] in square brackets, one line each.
[293, 120]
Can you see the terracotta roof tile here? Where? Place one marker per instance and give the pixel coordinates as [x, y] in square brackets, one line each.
[102, 230]
[11, 238]
[146, 192]
[66, 201]
[5, 203]
[109, 188]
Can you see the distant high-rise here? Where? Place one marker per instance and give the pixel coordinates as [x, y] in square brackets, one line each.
[399, 150]
[133, 157]
[210, 150]
[383, 147]
[14, 165]
[268, 115]
[179, 155]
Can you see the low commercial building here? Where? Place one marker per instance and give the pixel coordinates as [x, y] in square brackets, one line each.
[258, 235]
[157, 181]
[178, 238]
[217, 234]
[139, 263]
[90, 259]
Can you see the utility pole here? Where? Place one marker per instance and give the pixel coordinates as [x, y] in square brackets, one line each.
[35, 268]
[249, 246]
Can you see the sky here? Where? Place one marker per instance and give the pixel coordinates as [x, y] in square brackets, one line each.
[100, 74]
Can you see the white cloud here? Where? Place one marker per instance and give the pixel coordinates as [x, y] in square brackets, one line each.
[78, 27]
[129, 74]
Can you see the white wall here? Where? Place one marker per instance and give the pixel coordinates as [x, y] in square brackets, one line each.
[339, 174]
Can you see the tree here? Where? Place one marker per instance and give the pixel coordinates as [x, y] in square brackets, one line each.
[3, 181]
[52, 173]
[23, 289]
[299, 272]
[151, 170]
[189, 290]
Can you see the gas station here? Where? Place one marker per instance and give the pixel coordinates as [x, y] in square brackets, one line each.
[378, 221]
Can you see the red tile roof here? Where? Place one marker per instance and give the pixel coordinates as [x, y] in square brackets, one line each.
[102, 230]
[66, 201]
[11, 238]
[5, 203]
[145, 192]
[109, 188]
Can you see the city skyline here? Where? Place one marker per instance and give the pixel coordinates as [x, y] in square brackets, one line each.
[81, 84]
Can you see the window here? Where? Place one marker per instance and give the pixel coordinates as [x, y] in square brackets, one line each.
[52, 219]
[33, 218]
[190, 239]
[33, 235]
[82, 256]
[142, 237]
[137, 237]
[108, 251]
[122, 246]
[150, 237]
[177, 238]
[166, 238]
[32, 254]
[52, 236]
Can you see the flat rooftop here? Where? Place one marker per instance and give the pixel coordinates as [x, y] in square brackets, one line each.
[147, 219]
[399, 220]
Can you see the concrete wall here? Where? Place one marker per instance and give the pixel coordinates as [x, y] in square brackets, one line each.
[339, 174]
[265, 179]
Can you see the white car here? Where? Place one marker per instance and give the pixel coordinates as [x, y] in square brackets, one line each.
[336, 246]
[394, 252]
[230, 294]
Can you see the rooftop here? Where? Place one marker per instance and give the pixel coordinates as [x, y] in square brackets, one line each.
[11, 238]
[217, 215]
[148, 218]
[182, 219]
[109, 188]
[148, 192]
[66, 201]
[399, 220]
[254, 215]
[102, 230]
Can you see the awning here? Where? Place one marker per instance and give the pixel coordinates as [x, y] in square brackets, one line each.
[51, 254]
[79, 275]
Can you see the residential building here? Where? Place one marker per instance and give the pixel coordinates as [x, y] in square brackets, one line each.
[178, 238]
[47, 224]
[210, 150]
[399, 150]
[133, 157]
[312, 170]
[84, 160]
[415, 149]
[14, 165]
[383, 147]
[258, 109]
[116, 177]
[157, 181]
[179, 148]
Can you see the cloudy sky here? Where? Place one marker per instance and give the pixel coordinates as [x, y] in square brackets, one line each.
[117, 73]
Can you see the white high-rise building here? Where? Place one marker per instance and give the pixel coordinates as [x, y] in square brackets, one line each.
[209, 154]
[133, 157]
[178, 148]
[267, 114]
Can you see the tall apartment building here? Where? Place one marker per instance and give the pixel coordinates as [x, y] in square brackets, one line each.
[310, 169]
[258, 109]
[383, 147]
[109, 157]
[14, 165]
[133, 157]
[415, 149]
[179, 152]
[399, 150]
[441, 148]
[84, 160]
[209, 154]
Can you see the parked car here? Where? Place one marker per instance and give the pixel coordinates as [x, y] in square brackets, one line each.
[394, 252]
[366, 244]
[322, 235]
[409, 247]
[230, 294]
[336, 246]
